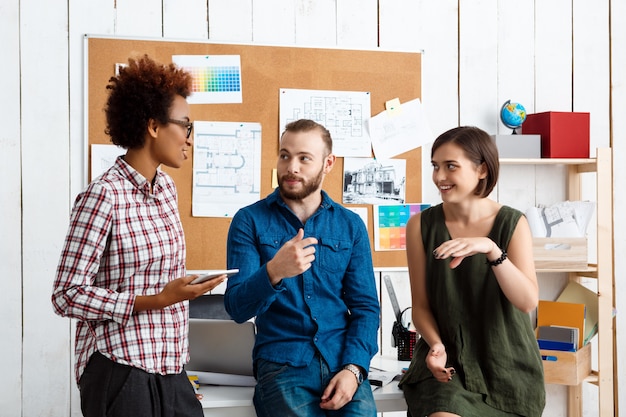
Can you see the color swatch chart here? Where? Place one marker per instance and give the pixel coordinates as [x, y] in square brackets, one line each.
[216, 78]
[390, 224]
[212, 79]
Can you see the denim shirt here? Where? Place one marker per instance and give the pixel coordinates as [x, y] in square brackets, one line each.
[332, 308]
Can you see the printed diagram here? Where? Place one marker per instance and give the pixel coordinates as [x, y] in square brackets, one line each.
[222, 167]
[339, 114]
[226, 167]
[342, 113]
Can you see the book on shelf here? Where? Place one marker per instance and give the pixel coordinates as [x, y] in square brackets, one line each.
[577, 293]
[558, 313]
[555, 345]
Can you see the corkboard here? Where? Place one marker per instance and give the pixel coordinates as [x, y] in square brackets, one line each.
[264, 69]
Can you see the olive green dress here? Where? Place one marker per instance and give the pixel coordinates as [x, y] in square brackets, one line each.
[489, 342]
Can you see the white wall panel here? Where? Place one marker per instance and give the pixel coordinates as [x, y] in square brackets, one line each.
[618, 142]
[591, 90]
[398, 28]
[93, 17]
[11, 218]
[185, 19]
[45, 192]
[553, 55]
[274, 22]
[478, 64]
[139, 18]
[230, 20]
[516, 56]
[316, 23]
[357, 23]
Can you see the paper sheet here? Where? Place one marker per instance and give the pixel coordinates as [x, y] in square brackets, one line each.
[393, 133]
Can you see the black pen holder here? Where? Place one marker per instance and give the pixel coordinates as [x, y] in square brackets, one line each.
[404, 339]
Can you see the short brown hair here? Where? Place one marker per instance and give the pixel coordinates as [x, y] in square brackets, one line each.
[478, 147]
[143, 90]
[305, 125]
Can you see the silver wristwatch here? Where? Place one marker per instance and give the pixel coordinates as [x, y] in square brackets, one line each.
[356, 371]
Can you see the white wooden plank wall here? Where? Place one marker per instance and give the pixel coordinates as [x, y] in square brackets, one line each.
[476, 55]
[618, 142]
[10, 207]
[45, 173]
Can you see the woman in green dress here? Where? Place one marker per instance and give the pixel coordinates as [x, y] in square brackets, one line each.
[473, 283]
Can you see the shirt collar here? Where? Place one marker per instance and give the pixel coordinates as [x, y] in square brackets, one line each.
[138, 180]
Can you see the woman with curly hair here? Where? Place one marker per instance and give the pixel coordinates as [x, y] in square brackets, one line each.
[122, 270]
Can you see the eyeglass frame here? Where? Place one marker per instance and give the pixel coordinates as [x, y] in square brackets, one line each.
[183, 123]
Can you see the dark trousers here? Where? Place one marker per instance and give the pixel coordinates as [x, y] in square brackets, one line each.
[109, 389]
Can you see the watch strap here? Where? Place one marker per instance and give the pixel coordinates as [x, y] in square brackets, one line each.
[356, 371]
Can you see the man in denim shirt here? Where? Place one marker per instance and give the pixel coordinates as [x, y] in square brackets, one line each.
[306, 274]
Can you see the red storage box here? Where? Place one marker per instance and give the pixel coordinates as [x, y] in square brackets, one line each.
[563, 134]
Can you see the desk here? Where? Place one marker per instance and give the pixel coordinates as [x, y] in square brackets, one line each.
[237, 401]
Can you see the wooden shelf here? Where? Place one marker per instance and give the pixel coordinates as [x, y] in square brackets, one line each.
[571, 369]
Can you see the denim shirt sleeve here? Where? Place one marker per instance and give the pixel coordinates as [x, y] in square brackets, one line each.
[249, 293]
[361, 297]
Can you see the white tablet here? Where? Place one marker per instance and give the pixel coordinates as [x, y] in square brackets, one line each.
[214, 274]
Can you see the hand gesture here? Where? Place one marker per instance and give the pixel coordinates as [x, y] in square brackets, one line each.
[461, 248]
[293, 258]
[436, 362]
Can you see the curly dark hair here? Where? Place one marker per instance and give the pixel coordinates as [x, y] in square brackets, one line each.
[143, 90]
[480, 148]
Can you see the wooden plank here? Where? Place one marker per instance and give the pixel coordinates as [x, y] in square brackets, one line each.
[357, 24]
[139, 18]
[478, 49]
[618, 144]
[316, 23]
[553, 55]
[11, 219]
[516, 56]
[591, 62]
[274, 22]
[230, 20]
[45, 196]
[95, 16]
[185, 19]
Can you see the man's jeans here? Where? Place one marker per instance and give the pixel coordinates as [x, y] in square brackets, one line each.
[284, 390]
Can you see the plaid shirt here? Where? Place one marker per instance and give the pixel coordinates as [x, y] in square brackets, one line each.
[123, 242]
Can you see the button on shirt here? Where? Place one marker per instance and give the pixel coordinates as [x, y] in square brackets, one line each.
[122, 242]
[332, 308]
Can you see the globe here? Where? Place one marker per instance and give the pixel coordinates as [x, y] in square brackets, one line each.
[512, 115]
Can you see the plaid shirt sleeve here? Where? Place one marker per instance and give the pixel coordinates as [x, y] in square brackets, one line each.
[74, 294]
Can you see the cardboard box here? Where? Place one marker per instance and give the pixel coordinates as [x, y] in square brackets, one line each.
[566, 368]
[563, 134]
[566, 253]
[518, 146]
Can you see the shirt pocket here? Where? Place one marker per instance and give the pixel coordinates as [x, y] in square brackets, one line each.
[334, 254]
[268, 246]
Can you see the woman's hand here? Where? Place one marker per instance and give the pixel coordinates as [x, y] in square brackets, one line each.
[436, 362]
[463, 247]
[175, 291]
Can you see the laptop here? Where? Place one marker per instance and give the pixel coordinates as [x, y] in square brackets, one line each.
[221, 346]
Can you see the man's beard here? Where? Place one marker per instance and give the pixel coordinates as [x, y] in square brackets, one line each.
[308, 187]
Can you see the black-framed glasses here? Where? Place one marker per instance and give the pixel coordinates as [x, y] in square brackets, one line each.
[183, 123]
